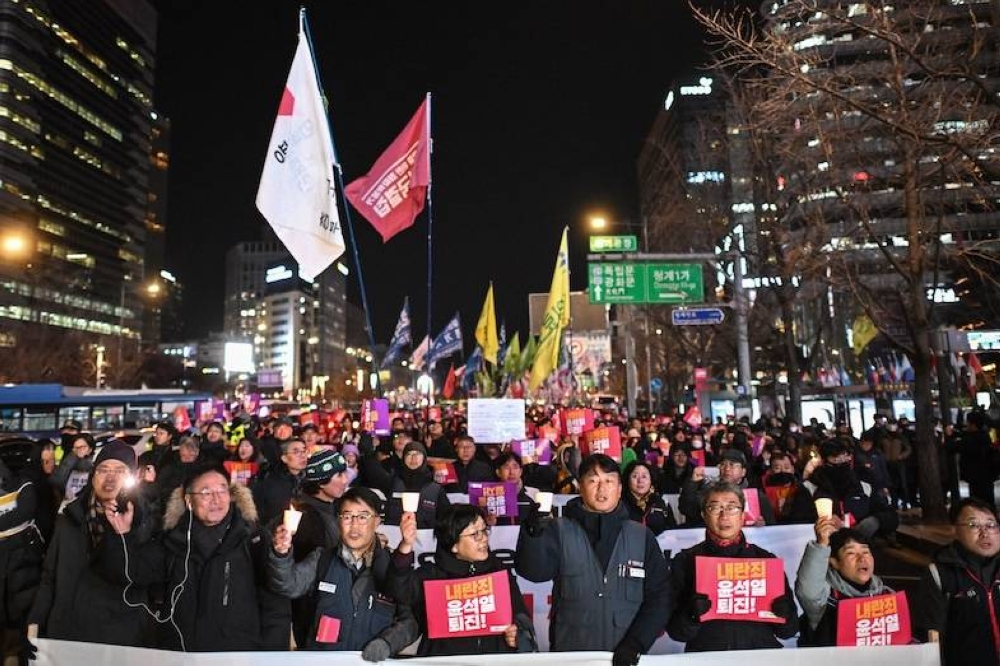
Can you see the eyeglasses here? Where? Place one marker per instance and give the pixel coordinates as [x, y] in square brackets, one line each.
[205, 493]
[298, 451]
[359, 518]
[720, 509]
[478, 535]
[976, 526]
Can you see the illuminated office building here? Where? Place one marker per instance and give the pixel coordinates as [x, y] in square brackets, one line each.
[76, 118]
[298, 328]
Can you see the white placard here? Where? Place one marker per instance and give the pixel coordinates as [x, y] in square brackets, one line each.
[496, 420]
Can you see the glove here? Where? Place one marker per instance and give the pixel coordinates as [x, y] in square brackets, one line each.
[626, 654]
[378, 649]
[783, 607]
[535, 521]
[700, 604]
[28, 651]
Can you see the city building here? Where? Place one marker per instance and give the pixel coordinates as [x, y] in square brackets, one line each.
[76, 134]
[298, 328]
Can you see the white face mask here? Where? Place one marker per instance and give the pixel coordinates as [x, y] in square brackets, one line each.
[793, 428]
[893, 428]
[696, 444]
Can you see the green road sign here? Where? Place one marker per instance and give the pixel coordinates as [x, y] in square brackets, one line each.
[625, 282]
[613, 244]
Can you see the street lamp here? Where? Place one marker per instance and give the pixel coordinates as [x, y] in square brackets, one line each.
[14, 245]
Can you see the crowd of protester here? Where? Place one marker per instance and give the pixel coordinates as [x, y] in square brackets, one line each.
[183, 546]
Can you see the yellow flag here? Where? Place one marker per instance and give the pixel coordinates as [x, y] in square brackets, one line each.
[863, 331]
[486, 329]
[556, 319]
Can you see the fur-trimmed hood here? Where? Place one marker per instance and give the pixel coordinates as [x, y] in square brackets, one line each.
[241, 498]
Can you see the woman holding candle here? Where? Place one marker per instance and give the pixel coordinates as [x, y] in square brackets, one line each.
[463, 551]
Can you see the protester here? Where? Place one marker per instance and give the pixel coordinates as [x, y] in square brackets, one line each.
[176, 469]
[213, 444]
[722, 510]
[780, 485]
[677, 469]
[21, 553]
[837, 565]
[370, 618]
[958, 593]
[871, 467]
[854, 501]
[508, 469]
[74, 470]
[351, 456]
[610, 587]
[732, 469]
[978, 459]
[272, 446]
[82, 595]
[467, 466]
[208, 561]
[463, 551]
[413, 477]
[274, 488]
[645, 506]
[165, 437]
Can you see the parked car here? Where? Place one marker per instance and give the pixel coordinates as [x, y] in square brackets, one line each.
[15, 450]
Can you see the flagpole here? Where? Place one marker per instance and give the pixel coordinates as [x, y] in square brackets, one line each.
[430, 234]
[347, 212]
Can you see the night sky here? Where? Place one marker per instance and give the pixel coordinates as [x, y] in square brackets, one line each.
[539, 114]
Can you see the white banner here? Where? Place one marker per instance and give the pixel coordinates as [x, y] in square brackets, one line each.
[786, 541]
[496, 420]
[65, 653]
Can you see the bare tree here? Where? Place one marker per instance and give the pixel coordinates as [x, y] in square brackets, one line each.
[894, 105]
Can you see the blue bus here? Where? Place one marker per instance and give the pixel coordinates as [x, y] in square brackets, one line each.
[38, 410]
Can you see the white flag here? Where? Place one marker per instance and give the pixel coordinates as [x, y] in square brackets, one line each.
[296, 193]
[420, 353]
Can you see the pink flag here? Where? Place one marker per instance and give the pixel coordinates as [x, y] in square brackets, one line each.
[392, 193]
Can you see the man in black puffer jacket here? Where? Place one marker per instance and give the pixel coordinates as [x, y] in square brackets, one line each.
[722, 510]
[209, 561]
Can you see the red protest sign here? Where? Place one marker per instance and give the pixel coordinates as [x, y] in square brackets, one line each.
[740, 589]
[549, 433]
[698, 457]
[751, 512]
[240, 472]
[434, 413]
[576, 421]
[477, 606]
[444, 470]
[605, 440]
[328, 630]
[881, 620]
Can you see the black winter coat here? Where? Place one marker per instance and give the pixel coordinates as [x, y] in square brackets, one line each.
[957, 604]
[222, 604]
[722, 634]
[21, 552]
[406, 585]
[80, 596]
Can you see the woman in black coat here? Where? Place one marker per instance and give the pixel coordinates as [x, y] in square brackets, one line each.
[644, 504]
[463, 551]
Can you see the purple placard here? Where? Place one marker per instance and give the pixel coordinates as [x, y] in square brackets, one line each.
[532, 450]
[497, 498]
[375, 416]
[219, 410]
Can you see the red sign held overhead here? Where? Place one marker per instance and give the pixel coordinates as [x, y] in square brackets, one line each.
[607, 440]
[576, 421]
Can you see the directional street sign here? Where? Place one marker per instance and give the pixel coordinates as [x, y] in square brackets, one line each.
[613, 244]
[633, 283]
[697, 316]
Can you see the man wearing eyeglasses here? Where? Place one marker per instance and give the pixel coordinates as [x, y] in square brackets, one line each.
[722, 509]
[610, 588]
[274, 488]
[207, 561]
[344, 586]
[959, 593]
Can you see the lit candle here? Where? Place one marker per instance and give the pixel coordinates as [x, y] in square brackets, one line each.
[292, 518]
